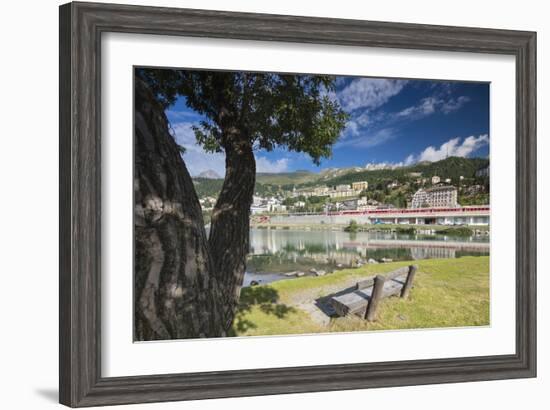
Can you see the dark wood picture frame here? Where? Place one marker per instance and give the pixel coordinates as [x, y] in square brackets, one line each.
[81, 27]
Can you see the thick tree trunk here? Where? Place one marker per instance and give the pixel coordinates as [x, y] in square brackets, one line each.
[177, 290]
[230, 225]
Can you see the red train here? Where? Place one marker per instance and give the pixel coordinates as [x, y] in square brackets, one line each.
[417, 210]
[405, 211]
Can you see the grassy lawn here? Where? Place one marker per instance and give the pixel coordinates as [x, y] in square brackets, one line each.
[447, 293]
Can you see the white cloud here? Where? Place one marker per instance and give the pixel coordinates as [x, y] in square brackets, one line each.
[426, 107]
[369, 93]
[454, 104]
[352, 129]
[368, 139]
[453, 148]
[354, 126]
[409, 160]
[430, 105]
[363, 119]
[372, 166]
[196, 159]
[265, 165]
[371, 126]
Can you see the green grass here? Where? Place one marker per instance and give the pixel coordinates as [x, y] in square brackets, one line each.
[446, 293]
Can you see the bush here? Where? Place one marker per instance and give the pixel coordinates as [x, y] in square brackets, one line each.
[352, 227]
[460, 231]
[405, 230]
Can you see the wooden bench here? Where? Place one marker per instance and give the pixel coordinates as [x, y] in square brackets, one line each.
[363, 300]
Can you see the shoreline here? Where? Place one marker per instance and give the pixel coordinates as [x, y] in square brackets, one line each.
[391, 228]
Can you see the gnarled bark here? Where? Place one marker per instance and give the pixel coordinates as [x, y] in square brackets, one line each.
[185, 285]
[176, 293]
[230, 224]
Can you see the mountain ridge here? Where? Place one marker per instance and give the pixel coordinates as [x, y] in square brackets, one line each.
[209, 174]
[271, 183]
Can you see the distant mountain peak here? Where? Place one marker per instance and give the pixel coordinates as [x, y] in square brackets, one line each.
[209, 174]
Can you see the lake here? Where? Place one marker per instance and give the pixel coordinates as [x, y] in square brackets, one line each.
[276, 252]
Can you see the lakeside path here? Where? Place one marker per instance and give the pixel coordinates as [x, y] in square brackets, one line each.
[447, 293]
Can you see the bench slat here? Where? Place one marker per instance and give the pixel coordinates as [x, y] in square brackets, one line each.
[353, 302]
[356, 301]
[369, 281]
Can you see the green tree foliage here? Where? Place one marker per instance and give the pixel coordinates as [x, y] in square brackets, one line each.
[207, 187]
[353, 226]
[399, 200]
[267, 110]
[290, 201]
[476, 199]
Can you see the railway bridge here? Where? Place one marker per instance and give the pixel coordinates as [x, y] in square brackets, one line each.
[467, 215]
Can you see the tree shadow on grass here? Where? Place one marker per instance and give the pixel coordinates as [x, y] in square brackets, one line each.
[266, 299]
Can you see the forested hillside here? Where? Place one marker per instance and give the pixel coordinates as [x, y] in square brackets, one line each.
[452, 167]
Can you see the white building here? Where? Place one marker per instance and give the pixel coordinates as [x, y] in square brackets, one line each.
[358, 204]
[257, 200]
[343, 194]
[258, 209]
[306, 193]
[360, 186]
[343, 187]
[277, 208]
[436, 180]
[321, 191]
[436, 197]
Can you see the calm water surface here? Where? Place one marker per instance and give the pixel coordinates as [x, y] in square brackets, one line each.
[276, 252]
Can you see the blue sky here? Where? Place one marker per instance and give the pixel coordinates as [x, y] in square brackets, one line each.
[392, 122]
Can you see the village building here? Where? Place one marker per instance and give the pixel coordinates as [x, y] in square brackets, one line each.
[321, 191]
[343, 194]
[360, 186]
[436, 197]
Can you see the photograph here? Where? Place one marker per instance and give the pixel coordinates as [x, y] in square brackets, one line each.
[270, 204]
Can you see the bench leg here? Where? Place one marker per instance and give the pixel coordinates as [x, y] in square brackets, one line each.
[408, 283]
[375, 298]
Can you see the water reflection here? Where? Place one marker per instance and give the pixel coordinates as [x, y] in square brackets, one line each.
[275, 252]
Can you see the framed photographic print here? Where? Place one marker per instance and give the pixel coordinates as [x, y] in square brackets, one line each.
[259, 204]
